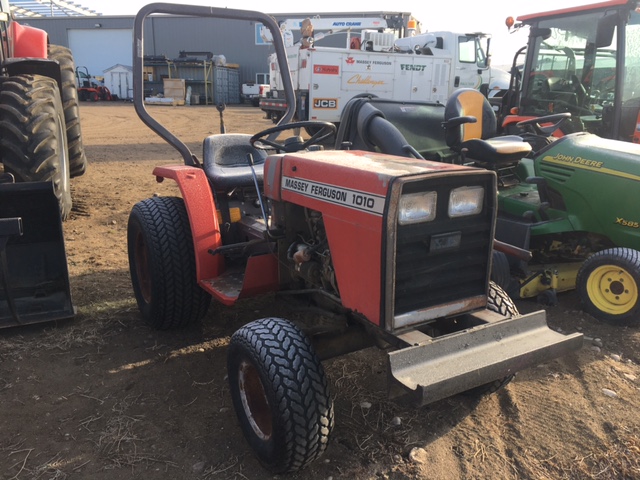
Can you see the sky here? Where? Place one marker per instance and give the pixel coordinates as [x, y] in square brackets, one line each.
[456, 15]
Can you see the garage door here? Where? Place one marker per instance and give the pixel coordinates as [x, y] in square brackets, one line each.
[99, 49]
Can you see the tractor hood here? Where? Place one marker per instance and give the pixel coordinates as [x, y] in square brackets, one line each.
[336, 172]
[598, 182]
[585, 151]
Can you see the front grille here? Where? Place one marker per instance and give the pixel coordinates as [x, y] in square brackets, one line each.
[426, 277]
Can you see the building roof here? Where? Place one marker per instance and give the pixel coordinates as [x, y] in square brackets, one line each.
[49, 8]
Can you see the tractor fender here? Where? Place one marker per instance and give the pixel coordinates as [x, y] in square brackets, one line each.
[28, 42]
[201, 209]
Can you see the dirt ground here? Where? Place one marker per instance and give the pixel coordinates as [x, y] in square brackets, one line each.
[103, 396]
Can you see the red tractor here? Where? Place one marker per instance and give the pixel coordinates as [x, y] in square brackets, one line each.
[40, 131]
[40, 150]
[90, 88]
[397, 251]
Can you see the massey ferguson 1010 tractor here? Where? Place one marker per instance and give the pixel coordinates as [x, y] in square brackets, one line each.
[398, 250]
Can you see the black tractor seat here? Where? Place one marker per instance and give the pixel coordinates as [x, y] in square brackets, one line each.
[226, 164]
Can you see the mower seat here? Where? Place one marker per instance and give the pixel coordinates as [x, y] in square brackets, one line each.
[471, 126]
[226, 164]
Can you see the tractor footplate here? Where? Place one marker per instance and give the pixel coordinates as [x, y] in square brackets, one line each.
[436, 368]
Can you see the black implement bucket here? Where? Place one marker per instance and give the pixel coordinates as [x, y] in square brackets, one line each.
[34, 279]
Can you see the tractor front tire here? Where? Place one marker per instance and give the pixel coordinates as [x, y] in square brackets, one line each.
[499, 302]
[608, 285]
[280, 394]
[33, 137]
[77, 157]
[162, 264]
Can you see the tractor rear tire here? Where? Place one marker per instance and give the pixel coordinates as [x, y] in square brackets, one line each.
[280, 394]
[162, 264]
[77, 157]
[33, 137]
[497, 301]
[608, 285]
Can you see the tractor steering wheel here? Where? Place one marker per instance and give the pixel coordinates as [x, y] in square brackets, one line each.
[293, 144]
[556, 120]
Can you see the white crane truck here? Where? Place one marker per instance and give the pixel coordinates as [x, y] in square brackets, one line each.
[426, 67]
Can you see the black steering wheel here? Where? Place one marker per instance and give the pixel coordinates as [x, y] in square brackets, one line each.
[293, 144]
[556, 120]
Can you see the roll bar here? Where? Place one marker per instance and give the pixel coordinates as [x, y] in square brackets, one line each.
[199, 11]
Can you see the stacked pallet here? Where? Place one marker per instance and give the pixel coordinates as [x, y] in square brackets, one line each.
[174, 88]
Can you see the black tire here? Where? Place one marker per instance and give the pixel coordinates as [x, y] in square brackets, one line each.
[33, 140]
[162, 264]
[608, 285]
[280, 394]
[77, 157]
[497, 301]
[94, 97]
[500, 270]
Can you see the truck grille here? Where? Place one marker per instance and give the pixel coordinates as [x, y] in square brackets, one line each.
[427, 275]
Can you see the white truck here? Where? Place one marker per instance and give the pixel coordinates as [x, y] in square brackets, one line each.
[418, 67]
[252, 92]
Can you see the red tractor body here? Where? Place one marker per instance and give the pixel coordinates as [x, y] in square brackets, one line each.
[390, 250]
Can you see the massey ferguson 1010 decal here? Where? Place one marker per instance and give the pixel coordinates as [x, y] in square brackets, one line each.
[363, 201]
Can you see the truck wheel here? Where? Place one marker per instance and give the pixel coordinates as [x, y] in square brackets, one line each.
[162, 264]
[280, 394]
[608, 285]
[32, 134]
[77, 157]
[497, 301]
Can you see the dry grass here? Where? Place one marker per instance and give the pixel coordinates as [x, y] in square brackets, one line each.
[120, 441]
[371, 428]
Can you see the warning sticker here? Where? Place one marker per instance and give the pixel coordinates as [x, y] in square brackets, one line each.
[363, 201]
[326, 69]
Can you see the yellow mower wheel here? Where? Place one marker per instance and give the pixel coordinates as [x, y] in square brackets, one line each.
[609, 284]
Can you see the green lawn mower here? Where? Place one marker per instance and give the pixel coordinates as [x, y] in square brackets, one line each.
[576, 207]
[573, 202]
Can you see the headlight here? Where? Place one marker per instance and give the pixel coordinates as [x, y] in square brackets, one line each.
[465, 201]
[417, 207]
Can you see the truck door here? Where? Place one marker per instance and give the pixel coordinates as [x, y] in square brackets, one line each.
[471, 63]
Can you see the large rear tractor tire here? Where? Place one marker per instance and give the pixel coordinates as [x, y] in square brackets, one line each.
[608, 285]
[280, 394]
[162, 264]
[77, 157]
[33, 137]
[498, 301]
